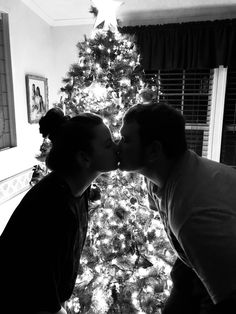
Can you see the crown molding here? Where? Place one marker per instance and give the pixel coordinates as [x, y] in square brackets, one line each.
[144, 17]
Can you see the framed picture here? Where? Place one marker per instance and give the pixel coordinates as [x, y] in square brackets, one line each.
[37, 97]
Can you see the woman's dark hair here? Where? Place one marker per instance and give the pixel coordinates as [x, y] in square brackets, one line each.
[50, 122]
[160, 121]
[70, 135]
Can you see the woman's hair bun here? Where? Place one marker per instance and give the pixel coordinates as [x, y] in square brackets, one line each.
[51, 121]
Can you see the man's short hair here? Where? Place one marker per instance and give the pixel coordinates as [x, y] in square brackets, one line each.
[161, 122]
[147, 94]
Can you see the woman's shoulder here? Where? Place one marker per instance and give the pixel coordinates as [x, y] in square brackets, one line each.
[49, 191]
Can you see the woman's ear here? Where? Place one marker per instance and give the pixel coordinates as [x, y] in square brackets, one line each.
[154, 151]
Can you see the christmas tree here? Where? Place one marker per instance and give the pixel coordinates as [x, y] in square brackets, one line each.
[127, 258]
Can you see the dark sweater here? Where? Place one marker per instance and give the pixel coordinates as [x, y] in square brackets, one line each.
[41, 246]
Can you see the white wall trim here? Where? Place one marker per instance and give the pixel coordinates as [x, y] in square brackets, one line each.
[217, 113]
[37, 10]
[4, 9]
[15, 185]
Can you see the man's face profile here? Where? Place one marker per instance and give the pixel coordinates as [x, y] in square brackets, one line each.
[130, 148]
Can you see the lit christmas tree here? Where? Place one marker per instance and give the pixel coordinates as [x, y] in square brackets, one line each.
[127, 258]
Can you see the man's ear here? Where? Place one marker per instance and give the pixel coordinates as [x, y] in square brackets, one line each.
[83, 159]
[154, 151]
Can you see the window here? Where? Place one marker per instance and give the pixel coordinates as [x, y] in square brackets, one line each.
[228, 145]
[191, 92]
[7, 118]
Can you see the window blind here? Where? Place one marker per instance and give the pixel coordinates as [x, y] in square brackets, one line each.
[228, 145]
[7, 119]
[189, 91]
[4, 115]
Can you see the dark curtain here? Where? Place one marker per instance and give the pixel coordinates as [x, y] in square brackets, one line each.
[193, 45]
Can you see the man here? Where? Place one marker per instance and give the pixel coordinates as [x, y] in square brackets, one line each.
[195, 196]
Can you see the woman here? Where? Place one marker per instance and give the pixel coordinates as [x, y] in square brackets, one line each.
[42, 243]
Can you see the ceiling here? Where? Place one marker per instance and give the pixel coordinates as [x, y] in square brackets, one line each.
[76, 12]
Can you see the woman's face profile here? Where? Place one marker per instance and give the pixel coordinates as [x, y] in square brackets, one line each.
[104, 156]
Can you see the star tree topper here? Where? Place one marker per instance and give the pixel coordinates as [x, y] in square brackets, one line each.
[107, 13]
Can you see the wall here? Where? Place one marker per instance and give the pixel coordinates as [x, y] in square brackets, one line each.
[38, 49]
[31, 53]
[188, 11]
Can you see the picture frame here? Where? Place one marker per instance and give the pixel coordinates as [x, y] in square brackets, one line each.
[37, 97]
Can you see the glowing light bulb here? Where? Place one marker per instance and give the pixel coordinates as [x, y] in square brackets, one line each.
[116, 135]
[150, 247]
